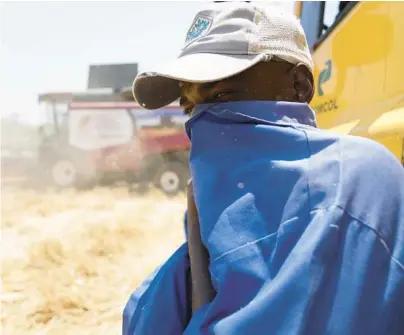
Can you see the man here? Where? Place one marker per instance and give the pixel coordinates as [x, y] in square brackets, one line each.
[304, 228]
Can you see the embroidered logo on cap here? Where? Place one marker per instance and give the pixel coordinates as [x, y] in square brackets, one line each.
[199, 28]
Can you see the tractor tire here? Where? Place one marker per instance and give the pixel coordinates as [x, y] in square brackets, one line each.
[172, 177]
[63, 173]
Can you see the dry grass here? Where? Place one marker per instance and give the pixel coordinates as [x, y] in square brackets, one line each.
[71, 259]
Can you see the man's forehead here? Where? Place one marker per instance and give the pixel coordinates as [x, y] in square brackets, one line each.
[276, 67]
[198, 86]
[194, 91]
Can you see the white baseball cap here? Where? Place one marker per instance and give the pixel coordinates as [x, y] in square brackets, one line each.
[225, 40]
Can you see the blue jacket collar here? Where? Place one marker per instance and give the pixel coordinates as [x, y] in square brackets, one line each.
[280, 112]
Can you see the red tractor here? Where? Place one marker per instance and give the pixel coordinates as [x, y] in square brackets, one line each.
[95, 138]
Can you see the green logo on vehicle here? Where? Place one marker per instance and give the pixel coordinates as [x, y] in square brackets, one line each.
[324, 76]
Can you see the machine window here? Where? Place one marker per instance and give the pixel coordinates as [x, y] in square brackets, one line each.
[333, 13]
[319, 18]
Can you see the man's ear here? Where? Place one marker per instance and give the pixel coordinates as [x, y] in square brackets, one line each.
[303, 83]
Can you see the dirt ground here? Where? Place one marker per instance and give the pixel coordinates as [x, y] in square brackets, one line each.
[70, 259]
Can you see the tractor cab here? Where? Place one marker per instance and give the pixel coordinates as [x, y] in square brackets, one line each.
[53, 107]
[92, 137]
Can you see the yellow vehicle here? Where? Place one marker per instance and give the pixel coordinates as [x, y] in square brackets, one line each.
[358, 52]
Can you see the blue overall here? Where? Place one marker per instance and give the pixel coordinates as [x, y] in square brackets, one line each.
[304, 228]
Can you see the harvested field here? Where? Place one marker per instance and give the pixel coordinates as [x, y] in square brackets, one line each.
[70, 259]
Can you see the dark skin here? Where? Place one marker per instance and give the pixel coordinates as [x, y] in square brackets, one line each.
[268, 81]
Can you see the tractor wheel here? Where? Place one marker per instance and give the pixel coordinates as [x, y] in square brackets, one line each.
[172, 177]
[64, 173]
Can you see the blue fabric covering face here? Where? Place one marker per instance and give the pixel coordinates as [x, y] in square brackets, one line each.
[305, 229]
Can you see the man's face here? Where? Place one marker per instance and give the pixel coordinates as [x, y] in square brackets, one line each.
[271, 81]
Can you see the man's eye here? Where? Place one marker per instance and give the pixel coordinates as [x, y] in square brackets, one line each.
[220, 95]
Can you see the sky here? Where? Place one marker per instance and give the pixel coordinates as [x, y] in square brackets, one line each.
[48, 46]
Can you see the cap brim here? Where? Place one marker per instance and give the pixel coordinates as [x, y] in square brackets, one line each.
[160, 88]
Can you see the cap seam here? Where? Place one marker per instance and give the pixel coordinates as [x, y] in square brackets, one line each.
[231, 53]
